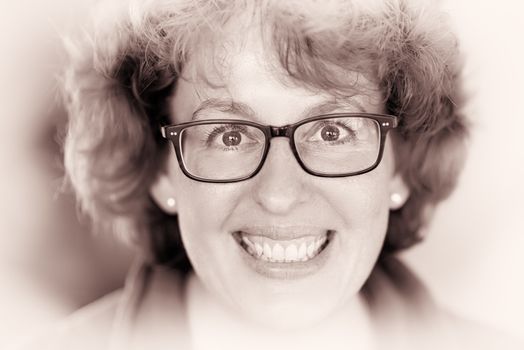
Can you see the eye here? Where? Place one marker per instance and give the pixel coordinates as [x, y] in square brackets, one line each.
[330, 133]
[231, 138]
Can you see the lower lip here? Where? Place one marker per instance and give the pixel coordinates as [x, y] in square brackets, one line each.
[288, 271]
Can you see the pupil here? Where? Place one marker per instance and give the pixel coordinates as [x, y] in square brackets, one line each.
[231, 138]
[330, 133]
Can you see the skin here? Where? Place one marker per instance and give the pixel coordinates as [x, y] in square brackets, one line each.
[281, 195]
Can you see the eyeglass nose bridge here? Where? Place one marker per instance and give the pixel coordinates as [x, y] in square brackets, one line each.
[281, 131]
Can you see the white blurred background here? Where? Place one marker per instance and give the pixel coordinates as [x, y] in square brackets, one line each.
[472, 259]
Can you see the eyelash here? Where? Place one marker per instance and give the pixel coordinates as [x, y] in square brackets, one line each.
[212, 134]
[337, 123]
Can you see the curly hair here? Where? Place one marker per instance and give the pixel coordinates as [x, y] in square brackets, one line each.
[121, 74]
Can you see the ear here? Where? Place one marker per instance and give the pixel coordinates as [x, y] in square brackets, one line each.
[398, 192]
[163, 193]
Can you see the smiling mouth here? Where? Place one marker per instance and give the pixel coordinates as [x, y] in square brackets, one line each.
[290, 251]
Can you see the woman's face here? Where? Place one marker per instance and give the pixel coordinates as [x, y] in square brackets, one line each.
[282, 206]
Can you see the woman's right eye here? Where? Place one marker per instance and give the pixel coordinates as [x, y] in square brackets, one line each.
[230, 137]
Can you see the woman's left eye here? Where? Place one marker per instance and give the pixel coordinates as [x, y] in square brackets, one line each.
[331, 132]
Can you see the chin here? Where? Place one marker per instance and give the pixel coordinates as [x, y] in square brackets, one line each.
[285, 277]
[293, 294]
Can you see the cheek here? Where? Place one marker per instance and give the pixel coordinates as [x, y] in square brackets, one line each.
[362, 203]
[200, 205]
[203, 209]
[363, 200]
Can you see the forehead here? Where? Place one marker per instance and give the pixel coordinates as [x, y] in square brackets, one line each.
[252, 62]
[254, 91]
[243, 69]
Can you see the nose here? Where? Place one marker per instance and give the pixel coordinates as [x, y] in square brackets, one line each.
[281, 184]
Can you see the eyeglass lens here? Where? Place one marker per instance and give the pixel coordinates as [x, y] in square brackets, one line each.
[222, 151]
[339, 145]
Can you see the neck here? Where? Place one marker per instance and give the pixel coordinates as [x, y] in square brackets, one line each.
[215, 325]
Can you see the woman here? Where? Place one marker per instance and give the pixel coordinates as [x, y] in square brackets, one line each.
[267, 159]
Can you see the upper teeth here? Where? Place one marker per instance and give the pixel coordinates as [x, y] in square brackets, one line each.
[301, 249]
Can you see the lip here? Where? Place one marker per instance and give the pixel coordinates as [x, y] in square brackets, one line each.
[282, 233]
[287, 270]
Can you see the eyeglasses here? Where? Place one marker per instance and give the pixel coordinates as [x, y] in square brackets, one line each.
[231, 150]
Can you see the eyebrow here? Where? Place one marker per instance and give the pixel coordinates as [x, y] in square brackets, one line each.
[229, 106]
[332, 105]
[224, 105]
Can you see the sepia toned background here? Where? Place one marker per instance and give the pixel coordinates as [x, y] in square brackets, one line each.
[50, 264]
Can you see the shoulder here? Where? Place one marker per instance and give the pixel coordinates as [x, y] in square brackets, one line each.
[87, 328]
[126, 319]
[408, 316]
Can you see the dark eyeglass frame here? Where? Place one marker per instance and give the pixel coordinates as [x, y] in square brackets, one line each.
[385, 122]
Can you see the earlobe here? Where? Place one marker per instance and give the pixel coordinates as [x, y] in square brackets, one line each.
[162, 191]
[399, 192]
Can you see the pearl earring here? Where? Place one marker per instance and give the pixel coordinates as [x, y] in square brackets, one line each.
[396, 198]
[171, 202]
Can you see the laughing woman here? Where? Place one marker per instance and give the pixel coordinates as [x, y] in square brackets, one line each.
[266, 159]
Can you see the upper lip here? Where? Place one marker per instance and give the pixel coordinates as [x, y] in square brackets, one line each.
[283, 232]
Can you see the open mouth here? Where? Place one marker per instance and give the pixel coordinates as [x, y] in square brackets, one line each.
[295, 250]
